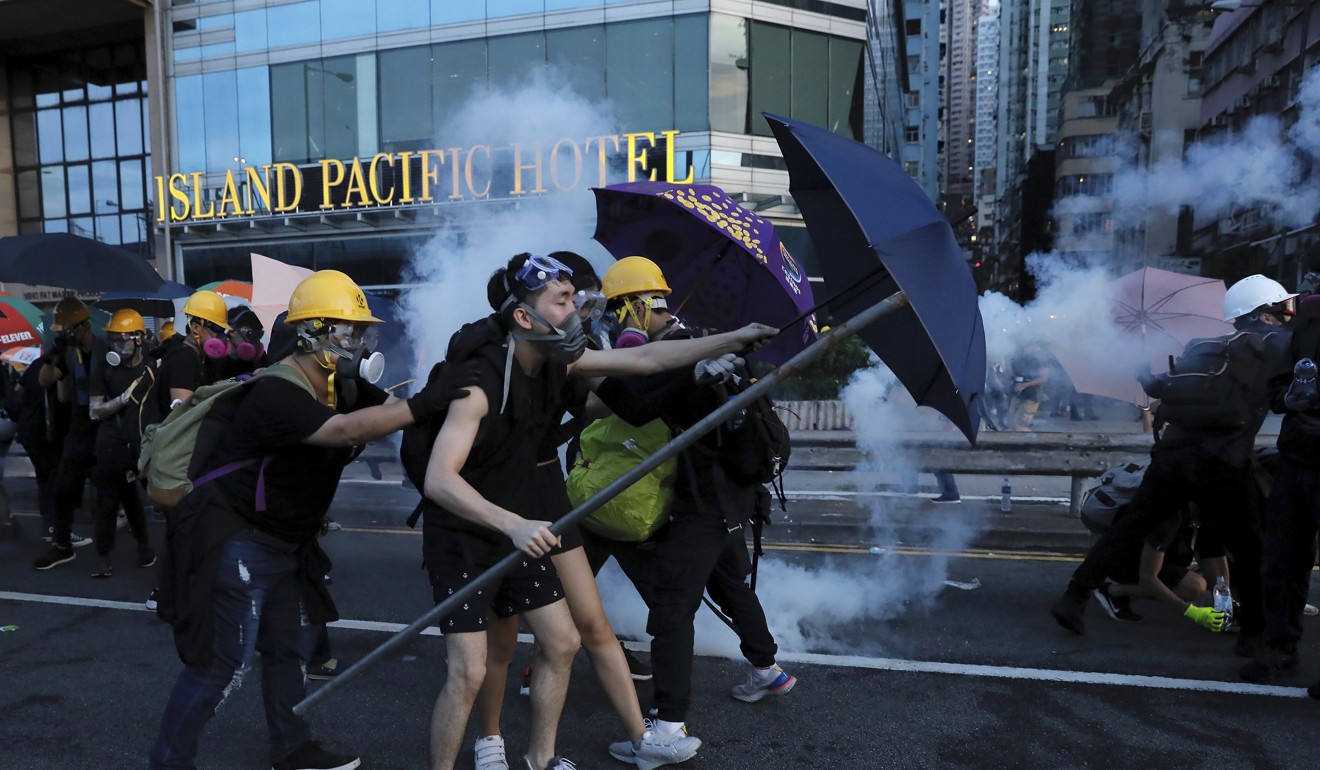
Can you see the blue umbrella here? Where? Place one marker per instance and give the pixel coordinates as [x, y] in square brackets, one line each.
[876, 233]
[158, 303]
[70, 261]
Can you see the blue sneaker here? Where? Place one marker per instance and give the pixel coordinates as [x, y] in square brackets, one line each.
[762, 682]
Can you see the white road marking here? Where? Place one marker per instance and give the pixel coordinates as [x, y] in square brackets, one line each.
[838, 661]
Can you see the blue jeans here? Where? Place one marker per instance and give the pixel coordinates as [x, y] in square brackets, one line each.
[258, 606]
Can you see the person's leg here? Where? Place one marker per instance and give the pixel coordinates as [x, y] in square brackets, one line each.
[70, 476]
[729, 590]
[598, 638]
[948, 485]
[501, 641]
[1228, 503]
[284, 639]
[130, 497]
[44, 465]
[1289, 552]
[105, 510]
[557, 642]
[465, 671]
[199, 690]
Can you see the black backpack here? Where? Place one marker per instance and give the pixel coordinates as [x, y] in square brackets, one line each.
[418, 439]
[1209, 385]
[754, 445]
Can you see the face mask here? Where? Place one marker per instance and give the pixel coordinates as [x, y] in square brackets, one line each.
[248, 351]
[631, 338]
[216, 348]
[564, 343]
[363, 365]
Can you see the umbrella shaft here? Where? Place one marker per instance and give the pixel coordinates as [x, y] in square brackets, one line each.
[682, 441]
[868, 281]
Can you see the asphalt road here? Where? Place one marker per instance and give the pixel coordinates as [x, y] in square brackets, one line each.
[896, 668]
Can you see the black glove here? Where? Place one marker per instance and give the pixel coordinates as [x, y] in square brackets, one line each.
[446, 384]
[58, 347]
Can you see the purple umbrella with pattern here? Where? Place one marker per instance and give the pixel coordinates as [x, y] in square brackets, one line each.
[725, 264]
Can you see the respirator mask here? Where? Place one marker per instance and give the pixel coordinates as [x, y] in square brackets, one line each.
[216, 347]
[122, 348]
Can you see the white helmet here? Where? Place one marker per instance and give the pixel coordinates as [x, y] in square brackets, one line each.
[1253, 292]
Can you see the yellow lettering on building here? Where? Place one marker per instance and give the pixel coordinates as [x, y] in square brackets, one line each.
[467, 170]
[453, 163]
[554, 165]
[375, 178]
[636, 158]
[261, 184]
[519, 167]
[357, 185]
[287, 202]
[197, 199]
[430, 175]
[229, 197]
[670, 136]
[180, 195]
[160, 198]
[600, 142]
[328, 181]
[406, 176]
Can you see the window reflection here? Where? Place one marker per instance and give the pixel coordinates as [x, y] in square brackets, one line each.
[640, 58]
[75, 133]
[449, 11]
[347, 18]
[52, 192]
[405, 99]
[220, 95]
[579, 52]
[514, 57]
[254, 115]
[394, 15]
[295, 24]
[728, 73]
[102, 119]
[769, 91]
[250, 31]
[499, 8]
[690, 73]
[80, 190]
[460, 68]
[190, 122]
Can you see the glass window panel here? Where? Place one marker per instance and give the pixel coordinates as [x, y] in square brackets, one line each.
[691, 73]
[75, 133]
[72, 80]
[405, 95]
[335, 81]
[218, 49]
[47, 82]
[187, 54]
[105, 186]
[448, 11]
[347, 18]
[250, 31]
[56, 226]
[83, 226]
[728, 73]
[143, 106]
[102, 118]
[845, 110]
[107, 229]
[50, 136]
[579, 52]
[254, 115]
[460, 68]
[21, 95]
[395, 15]
[80, 189]
[29, 194]
[52, 192]
[220, 90]
[500, 8]
[514, 57]
[128, 126]
[769, 75]
[29, 228]
[810, 69]
[296, 24]
[132, 185]
[289, 90]
[640, 72]
[190, 123]
[133, 228]
[559, 5]
[25, 138]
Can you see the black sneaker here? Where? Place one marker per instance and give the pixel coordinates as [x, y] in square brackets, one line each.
[103, 569]
[323, 671]
[946, 499]
[1067, 611]
[146, 556]
[1249, 646]
[639, 669]
[1272, 664]
[310, 756]
[55, 557]
[1118, 608]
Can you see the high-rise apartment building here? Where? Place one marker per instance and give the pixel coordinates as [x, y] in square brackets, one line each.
[986, 134]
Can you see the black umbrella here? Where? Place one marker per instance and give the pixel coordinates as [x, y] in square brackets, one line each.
[876, 233]
[158, 303]
[72, 262]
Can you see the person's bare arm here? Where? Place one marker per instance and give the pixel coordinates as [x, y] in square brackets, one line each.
[362, 426]
[664, 355]
[445, 487]
[1152, 561]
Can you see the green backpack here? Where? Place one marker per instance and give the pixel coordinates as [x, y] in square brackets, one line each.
[174, 450]
[611, 447]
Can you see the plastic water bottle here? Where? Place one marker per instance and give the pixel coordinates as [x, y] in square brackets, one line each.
[1223, 597]
[1006, 496]
[1303, 386]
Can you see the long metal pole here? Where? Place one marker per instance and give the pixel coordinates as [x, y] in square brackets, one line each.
[681, 442]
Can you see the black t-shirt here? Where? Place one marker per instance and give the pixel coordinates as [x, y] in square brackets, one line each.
[180, 369]
[108, 382]
[502, 463]
[269, 426]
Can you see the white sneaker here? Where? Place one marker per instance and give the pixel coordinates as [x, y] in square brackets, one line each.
[490, 753]
[654, 750]
[763, 682]
[151, 601]
[75, 540]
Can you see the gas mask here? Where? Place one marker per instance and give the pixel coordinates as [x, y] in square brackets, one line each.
[563, 344]
[351, 345]
[217, 346]
[122, 348]
[634, 335]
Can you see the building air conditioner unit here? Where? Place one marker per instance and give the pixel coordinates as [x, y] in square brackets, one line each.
[1242, 103]
[1272, 46]
[1273, 81]
[1145, 121]
[1219, 121]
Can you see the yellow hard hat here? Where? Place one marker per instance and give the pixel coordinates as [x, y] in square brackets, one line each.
[69, 312]
[634, 275]
[166, 331]
[126, 321]
[329, 294]
[208, 306]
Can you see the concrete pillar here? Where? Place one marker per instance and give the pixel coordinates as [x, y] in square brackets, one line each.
[8, 200]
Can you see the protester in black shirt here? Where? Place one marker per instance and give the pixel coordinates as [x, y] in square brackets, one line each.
[119, 387]
[246, 353]
[481, 485]
[243, 571]
[67, 366]
[42, 424]
[188, 366]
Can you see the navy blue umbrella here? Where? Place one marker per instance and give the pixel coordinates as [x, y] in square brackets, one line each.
[70, 261]
[158, 303]
[876, 233]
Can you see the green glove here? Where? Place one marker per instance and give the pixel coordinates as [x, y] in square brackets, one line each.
[1205, 617]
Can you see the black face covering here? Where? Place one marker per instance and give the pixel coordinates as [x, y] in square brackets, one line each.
[564, 343]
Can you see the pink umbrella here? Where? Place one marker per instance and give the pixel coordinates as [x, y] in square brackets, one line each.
[1153, 314]
[273, 283]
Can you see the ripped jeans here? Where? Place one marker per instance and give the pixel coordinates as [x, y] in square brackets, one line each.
[258, 607]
